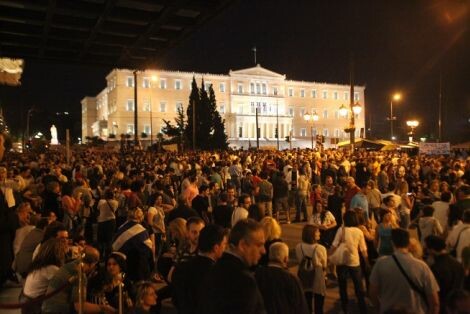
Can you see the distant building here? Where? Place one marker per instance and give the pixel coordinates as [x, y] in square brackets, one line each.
[279, 101]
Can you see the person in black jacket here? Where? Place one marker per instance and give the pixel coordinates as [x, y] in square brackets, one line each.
[229, 286]
[281, 290]
[188, 276]
[183, 210]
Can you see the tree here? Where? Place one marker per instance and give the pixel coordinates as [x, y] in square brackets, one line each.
[218, 135]
[194, 100]
[175, 133]
[205, 121]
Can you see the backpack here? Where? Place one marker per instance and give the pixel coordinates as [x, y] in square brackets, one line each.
[306, 271]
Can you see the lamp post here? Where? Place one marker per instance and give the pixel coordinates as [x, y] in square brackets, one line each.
[354, 109]
[154, 79]
[396, 97]
[311, 117]
[412, 124]
[136, 136]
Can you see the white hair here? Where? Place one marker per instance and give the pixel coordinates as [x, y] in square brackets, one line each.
[278, 252]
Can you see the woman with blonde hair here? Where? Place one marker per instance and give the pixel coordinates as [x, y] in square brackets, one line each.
[146, 297]
[272, 233]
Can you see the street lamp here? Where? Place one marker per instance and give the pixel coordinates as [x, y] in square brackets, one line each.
[154, 79]
[412, 124]
[354, 109]
[396, 97]
[311, 117]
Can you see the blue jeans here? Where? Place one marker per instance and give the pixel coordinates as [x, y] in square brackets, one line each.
[300, 206]
[356, 275]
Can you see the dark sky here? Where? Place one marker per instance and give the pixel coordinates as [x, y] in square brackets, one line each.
[399, 45]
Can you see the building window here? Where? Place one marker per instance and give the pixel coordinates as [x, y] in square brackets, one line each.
[275, 91]
[207, 85]
[240, 88]
[302, 93]
[314, 132]
[336, 114]
[163, 106]
[258, 88]
[252, 107]
[335, 95]
[336, 133]
[162, 83]
[130, 105]
[346, 95]
[265, 91]
[303, 132]
[178, 85]
[146, 82]
[302, 112]
[325, 114]
[325, 94]
[325, 132]
[252, 88]
[222, 87]
[146, 105]
[264, 110]
[291, 111]
[356, 96]
[147, 129]
[179, 106]
[291, 92]
[222, 108]
[130, 129]
[314, 93]
[130, 81]
[240, 131]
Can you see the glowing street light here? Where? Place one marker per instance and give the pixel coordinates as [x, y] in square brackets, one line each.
[314, 118]
[412, 124]
[395, 97]
[154, 79]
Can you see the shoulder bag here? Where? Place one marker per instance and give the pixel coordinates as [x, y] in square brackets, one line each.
[410, 282]
[340, 254]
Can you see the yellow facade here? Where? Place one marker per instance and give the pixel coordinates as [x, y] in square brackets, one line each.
[279, 101]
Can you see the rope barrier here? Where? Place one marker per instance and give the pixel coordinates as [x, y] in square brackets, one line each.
[12, 306]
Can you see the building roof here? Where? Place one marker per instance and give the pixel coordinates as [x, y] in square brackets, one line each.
[110, 32]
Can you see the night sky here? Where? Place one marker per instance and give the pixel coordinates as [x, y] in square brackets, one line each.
[399, 45]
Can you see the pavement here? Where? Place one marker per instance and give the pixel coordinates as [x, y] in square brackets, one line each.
[291, 234]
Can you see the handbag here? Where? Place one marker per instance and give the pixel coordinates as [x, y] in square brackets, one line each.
[340, 255]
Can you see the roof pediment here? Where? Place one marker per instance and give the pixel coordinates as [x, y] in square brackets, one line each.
[259, 71]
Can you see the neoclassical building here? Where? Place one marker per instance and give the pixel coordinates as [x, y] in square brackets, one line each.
[281, 103]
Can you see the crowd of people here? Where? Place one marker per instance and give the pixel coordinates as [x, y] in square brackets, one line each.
[203, 230]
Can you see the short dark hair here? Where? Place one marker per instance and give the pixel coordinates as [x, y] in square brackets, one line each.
[242, 198]
[435, 243]
[446, 196]
[400, 238]
[428, 211]
[194, 220]
[203, 188]
[120, 259]
[223, 197]
[210, 236]
[350, 219]
[52, 230]
[308, 234]
[243, 230]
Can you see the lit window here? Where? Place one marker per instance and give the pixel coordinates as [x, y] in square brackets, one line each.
[130, 81]
[325, 94]
[130, 129]
[163, 107]
[207, 85]
[302, 112]
[252, 88]
[264, 89]
[162, 83]
[258, 88]
[325, 114]
[314, 93]
[240, 88]
[336, 114]
[222, 108]
[291, 111]
[346, 95]
[356, 96]
[252, 106]
[303, 132]
[325, 132]
[146, 82]
[147, 129]
[222, 87]
[314, 132]
[291, 92]
[146, 104]
[178, 85]
[336, 133]
[335, 95]
[130, 105]
[302, 93]
[275, 90]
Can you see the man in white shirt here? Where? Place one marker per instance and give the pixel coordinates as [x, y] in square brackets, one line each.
[241, 212]
[459, 237]
[441, 209]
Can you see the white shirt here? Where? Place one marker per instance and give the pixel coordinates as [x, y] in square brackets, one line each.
[464, 231]
[107, 208]
[37, 281]
[238, 214]
[354, 239]
[441, 212]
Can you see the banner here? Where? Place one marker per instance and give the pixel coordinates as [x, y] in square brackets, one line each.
[434, 148]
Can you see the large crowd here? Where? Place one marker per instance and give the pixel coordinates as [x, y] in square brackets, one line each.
[203, 230]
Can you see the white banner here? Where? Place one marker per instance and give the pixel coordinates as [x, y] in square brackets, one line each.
[434, 148]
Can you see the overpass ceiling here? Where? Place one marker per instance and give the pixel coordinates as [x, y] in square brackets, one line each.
[107, 32]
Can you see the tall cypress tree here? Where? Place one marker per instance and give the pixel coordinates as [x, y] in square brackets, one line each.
[194, 98]
[205, 120]
[218, 137]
